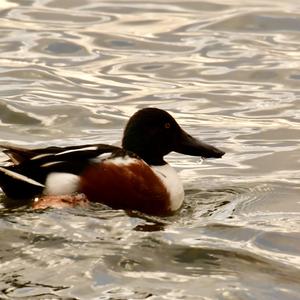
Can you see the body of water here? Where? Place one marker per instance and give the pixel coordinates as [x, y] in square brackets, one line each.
[72, 72]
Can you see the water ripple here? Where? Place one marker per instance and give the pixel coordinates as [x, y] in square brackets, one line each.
[73, 71]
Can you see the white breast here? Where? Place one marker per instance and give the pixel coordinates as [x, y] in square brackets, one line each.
[172, 182]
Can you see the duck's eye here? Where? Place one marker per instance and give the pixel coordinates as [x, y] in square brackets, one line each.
[167, 125]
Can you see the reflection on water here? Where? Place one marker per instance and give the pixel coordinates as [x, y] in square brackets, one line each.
[73, 71]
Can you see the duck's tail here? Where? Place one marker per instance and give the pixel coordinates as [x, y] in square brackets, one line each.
[18, 186]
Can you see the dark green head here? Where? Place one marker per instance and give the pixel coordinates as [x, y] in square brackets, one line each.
[152, 133]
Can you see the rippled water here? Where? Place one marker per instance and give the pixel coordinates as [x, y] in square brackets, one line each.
[73, 71]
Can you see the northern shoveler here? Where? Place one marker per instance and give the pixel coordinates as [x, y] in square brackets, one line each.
[134, 177]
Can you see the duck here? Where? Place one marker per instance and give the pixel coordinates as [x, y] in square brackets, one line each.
[132, 177]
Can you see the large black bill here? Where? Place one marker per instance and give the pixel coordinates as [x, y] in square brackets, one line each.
[189, 145]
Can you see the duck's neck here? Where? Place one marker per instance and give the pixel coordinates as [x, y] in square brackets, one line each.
[150, 158]
[154, 161]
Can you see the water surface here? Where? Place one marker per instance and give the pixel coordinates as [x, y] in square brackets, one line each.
[72, 72]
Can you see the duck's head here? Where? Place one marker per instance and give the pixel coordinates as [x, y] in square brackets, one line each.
[151, 133]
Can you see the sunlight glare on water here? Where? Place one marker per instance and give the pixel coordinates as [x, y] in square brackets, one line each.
[72, 72]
